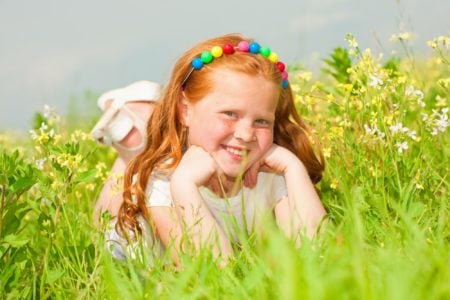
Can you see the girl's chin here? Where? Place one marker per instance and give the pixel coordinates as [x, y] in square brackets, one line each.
[233, 173]
[232, 170]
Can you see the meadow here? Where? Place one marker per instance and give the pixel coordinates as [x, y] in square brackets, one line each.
[382, 121]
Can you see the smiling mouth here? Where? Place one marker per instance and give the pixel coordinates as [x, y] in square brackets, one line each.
[236, 153]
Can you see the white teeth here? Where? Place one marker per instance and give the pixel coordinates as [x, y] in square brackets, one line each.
[236, 151]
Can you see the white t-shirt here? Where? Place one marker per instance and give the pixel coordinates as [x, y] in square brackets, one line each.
[232, 214]
[243, 208]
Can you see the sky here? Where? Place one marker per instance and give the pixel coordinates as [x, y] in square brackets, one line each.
[55, 51]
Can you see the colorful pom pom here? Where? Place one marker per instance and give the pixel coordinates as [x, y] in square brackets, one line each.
[206, 57]
[228, 48]
[197, 63]
[273, 57]
[216, 51]
[285, 84]
[243, 46]
[254, 47]
[280, 66]
[284, 75]
[265, 51]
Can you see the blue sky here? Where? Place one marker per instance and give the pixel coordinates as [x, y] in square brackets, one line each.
[53, 50]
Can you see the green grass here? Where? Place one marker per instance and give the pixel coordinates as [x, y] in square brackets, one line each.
[388, 235]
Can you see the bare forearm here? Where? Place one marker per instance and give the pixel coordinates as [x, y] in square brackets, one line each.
[199, 223]
[301, 211]
[302, 195]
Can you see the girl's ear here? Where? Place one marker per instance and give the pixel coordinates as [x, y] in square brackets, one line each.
[184, 109]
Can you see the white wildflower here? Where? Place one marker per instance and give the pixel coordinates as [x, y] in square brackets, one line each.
[33, 134]
[442, 120]
[412, 135]
[396, 128]
[375, 81]
[40, 163]
[418, 94]
[401, 146]
[44, 127]
[374, 130]
[409, 90]
[49, 112]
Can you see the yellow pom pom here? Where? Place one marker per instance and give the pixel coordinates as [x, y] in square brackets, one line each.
[216, 51]
[273, 57]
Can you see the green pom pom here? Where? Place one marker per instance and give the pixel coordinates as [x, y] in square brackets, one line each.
[206, 57]
[265, 51]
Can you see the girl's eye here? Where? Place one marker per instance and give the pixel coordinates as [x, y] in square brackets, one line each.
[262, 122]
[230, 114]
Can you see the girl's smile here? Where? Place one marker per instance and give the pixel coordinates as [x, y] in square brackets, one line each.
[234, 122]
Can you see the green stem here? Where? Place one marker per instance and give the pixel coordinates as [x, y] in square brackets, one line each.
[1, 210]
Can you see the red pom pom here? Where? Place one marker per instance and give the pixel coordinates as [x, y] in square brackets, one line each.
[280, 66]
[228, 48]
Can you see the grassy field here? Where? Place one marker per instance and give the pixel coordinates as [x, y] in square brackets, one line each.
[383, 125]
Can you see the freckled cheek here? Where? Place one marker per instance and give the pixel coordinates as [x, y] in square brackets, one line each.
[265, 141]
[214, 134]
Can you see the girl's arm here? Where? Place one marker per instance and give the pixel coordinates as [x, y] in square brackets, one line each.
[195, 169]
[301, 211]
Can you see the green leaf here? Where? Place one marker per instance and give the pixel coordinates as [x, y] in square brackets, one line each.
[53, 275]
[22, 184]
[16, 241]
[86, 176]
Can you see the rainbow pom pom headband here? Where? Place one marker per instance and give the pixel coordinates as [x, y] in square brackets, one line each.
[208, 56]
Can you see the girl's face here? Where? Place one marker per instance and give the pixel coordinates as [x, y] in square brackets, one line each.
[234, 122]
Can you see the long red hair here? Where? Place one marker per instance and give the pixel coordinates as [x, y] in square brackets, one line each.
[167, 137]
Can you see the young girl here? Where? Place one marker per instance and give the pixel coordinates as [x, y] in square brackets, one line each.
[227, 113]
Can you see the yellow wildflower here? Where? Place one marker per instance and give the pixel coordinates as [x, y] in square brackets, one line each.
[327, 152]
[352, 52]
[373, 171]
[419, 186]
[345, 123]
[56, 185]
[351, 40]
[433, 44]
[57, 138]
[90, 187]
[336, 132]
[348, 87]
[330, 98]
[334, 184]
[295, 88]
[401, 79]
[304, 75]
[43, 137]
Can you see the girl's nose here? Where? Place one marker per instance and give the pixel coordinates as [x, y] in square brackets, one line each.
[244, 132]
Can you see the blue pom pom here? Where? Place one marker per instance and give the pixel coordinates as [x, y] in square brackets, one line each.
[197, 63]
[284, 84]
[254, 48]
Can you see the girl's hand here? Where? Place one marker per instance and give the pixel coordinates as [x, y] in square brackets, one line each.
[277, 160]
[196, 166]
